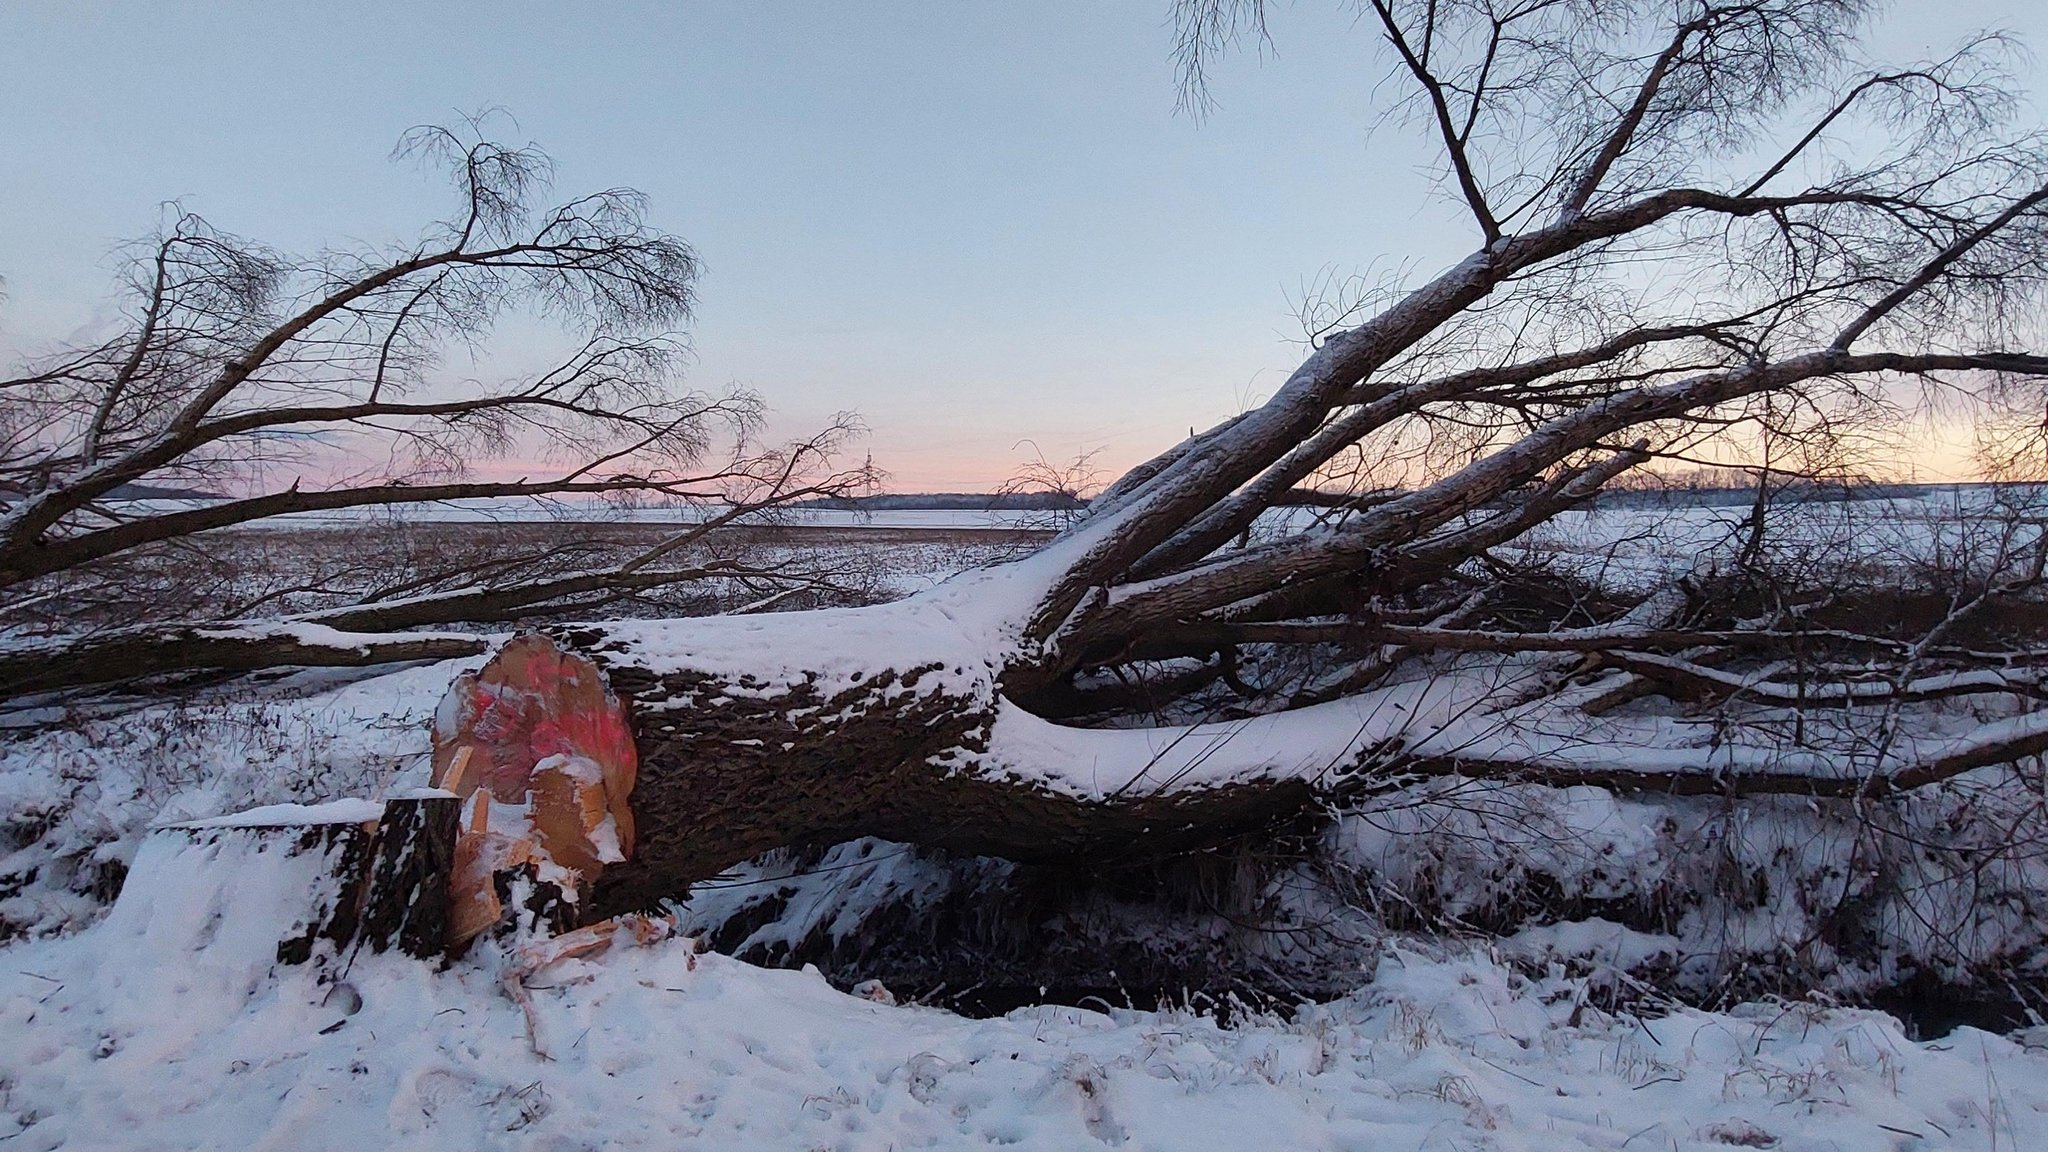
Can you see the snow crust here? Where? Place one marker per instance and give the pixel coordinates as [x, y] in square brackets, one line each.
[964, 627]
[344, 811]
[165, 1027]
[80, 789]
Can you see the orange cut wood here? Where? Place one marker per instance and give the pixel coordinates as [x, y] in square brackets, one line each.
[475, 906]
[536, 727]
[534, 700]
[569, 813]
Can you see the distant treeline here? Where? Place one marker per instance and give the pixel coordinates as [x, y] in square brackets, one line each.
[1790, 492]
[1651, 492]
[137, 492]
[954, 501]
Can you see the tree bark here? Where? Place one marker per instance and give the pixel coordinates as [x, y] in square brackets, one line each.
[811, 728]
[406, 902]
[894, 756]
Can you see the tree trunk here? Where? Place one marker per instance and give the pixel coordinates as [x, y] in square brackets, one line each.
[897, 721]
[761, 732]
[895, 757]
[152, 651]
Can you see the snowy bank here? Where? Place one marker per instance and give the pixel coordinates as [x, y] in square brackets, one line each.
[117, 1044]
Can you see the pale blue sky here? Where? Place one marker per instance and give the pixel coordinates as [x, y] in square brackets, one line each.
[972, 222]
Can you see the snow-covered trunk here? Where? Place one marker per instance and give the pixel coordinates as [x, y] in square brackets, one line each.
[761, 732]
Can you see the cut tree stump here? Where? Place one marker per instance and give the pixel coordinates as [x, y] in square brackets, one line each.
[317, 881]
[292, 873]
[534, 764]
[336, 908]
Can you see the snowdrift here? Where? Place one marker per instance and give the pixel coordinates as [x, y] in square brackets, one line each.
[167, 1026]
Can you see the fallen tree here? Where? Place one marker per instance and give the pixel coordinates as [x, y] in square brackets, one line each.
[1286, 661]
[1699, 230]
[893, 722]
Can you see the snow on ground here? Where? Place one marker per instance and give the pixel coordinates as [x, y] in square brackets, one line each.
[80, 784]
[1636, 533]
[165, 1024]
[165, 1027]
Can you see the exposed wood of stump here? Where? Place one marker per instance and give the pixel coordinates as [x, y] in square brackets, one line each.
[540, 751]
